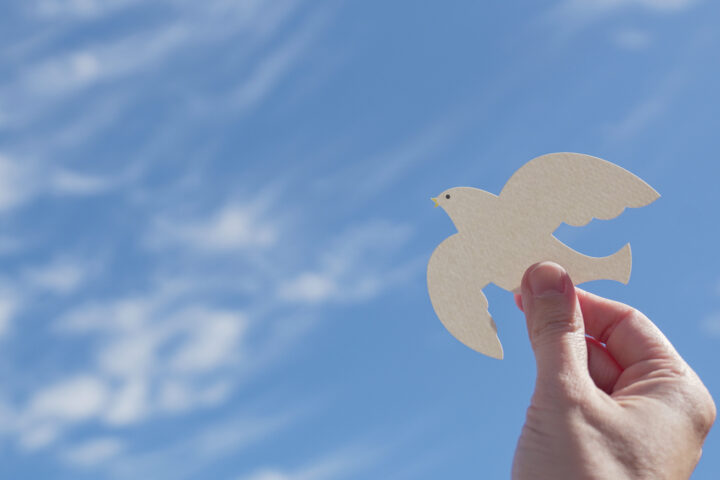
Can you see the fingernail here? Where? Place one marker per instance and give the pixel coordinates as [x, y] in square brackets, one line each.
[547, 279]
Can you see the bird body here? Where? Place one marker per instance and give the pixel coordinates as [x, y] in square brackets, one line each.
[500, 236]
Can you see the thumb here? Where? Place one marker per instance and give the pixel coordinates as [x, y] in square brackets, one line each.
[556, 330]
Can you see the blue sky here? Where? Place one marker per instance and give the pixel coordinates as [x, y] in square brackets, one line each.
[216, 222]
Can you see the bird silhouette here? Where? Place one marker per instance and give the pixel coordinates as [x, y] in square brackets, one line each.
[500, 236]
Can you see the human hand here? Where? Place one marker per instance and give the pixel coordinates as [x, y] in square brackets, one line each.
[632, 409]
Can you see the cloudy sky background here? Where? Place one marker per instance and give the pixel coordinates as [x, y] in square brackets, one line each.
[215, 223]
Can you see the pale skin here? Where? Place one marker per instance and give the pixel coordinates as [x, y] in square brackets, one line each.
[620, 405]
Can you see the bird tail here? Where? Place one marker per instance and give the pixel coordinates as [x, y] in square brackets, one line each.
[613, 267]
[619, 265]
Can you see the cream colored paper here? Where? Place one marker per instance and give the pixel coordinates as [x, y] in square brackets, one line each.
[500, 236]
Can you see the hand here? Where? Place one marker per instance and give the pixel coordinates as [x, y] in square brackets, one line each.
[619, 404]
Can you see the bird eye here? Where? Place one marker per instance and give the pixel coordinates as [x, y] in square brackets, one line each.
[447, 196]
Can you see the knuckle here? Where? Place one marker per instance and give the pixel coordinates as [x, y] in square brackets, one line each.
[706, 413]
[700, 406]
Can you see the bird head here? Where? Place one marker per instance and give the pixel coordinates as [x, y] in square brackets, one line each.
[465, 205]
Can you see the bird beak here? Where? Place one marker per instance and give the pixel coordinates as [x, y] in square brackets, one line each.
[435, 200]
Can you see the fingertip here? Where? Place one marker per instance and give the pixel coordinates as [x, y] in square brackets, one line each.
[518, 301]
[546, 279]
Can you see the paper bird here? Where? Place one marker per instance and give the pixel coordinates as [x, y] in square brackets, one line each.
[499, 237]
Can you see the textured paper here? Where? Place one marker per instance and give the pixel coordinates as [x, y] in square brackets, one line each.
[500, 236]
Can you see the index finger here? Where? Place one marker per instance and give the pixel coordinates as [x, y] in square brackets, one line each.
[629, 335]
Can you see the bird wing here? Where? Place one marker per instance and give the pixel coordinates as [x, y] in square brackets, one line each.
[455, 289]
[572, 188]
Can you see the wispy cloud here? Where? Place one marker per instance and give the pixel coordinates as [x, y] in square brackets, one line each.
[16, 183]
[336, 466]
[711, 324]
[61, 275]
[42, 86]
[354, 266]
[571, 16]
[55, 406]
[23, 181]
[378, 171]
[75, 183]
[272, 68]
[10, 304]
[186, 457]
[93, 452]
[168, 350]
[74, 398]
[176, 327]
[233, 226]
[99, 78]
[155, 357]
[73, 9]
[649, 109]
[633, 40]
[589, 8]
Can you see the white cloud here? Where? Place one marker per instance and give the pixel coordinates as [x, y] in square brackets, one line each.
[650, 108]
[50, 8]
[128, 405]
[232, 227]
[62, 275]
[160, 353]
[10, 245]
[389, 166]
[85, 66]
[210, 341]
[711, 325]
[74, 183]
[178, 396]
[599, 7]
[272, 68]
[64, 74]
[73, 71]
[77, 9]
[17, 183]
[222, 438]
[55, 406]
[665, 4]
[633, 40]
[151, 354]
[367, 177]
[131, 354]
[71, 399]
[43, 85]
[22, 181]
[569, 16]
[93, 452]
[9, 306]
[268, 475]
[332, 467]
[35, 437]
[156, 354]
[355, 266]
[640, 116]
[126, 314]
[187, 456]
[311, 287]
[52, 79]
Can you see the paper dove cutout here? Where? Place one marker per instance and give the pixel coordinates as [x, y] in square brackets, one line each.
[499, 237]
